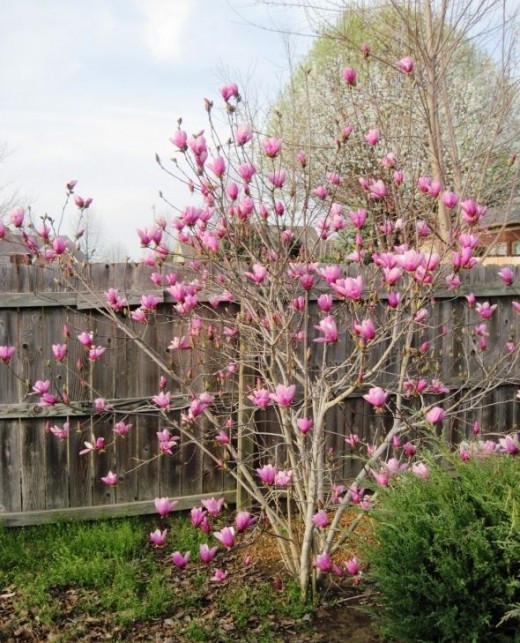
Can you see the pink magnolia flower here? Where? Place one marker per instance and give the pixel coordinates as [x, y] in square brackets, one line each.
[421, 470]
[272, 146]
[180, 139]
[16, 217]
[283, 478]
[243, 520]
[352, 566]
[226, 536]
[95, 353]
[328, 327]
[260, 397]
[435, 415]
[450, 199]
[164, 506]
[158, 537]
[243, 134]
[98, 444]
[86, 339]
[219, 576]
[349, 288]
[277, 178]
[179, 560]
[213, 506]
[350, 76]
[377, 397]
[218, 166]
[485, 309]
[365, 329]
[382, 477]
[259, 273]
[378, 190]
[62, 433]
[229, 91]
[207, 554]
[510, 444]
[162, 400]
[305, 425]
[110, 479]
[41, 387]
[507, 275]
[284, 395]
[372, 136]
[197, 516]
[323, 562]
[267, 474]
[409, 449]
[325, 302]
[320, 519]
[122, 429]
[406, 64]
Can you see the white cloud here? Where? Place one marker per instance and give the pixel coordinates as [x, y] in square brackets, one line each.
[164, 26]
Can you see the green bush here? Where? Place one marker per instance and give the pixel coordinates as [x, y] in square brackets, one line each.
[446, 563]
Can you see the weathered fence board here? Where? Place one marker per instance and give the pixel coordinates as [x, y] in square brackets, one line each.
[42, 477]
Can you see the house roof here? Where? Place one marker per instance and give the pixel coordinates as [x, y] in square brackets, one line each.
[497, 217]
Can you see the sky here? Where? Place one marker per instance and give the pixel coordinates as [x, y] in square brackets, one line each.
[92, 90]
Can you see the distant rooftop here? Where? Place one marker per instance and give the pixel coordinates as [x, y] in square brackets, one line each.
[496, 217]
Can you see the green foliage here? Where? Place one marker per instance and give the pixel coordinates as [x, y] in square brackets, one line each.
[446, 566]
[106, 562]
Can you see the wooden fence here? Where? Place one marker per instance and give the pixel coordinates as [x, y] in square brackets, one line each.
[42, 478]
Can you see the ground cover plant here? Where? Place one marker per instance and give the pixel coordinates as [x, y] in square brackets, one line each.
[86, 581]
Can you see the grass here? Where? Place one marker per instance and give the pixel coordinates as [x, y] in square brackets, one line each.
[71, 577]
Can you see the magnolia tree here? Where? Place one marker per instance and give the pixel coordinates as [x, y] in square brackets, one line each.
[295, 338]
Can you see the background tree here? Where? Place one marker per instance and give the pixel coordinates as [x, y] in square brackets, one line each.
[457, 122]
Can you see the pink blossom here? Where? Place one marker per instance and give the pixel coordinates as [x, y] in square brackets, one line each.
[226, 536]
[321, 192]
[213, 506]
[164, 506]
[323, 562]
[162, 400]
[320, 519]
[243, 520]
[110, 479]
[358, 218]
[450, 199]
[122, 429]
[260, 397]
[197, 516]
[350, 76]
[435, 415]
[485, 309]
[259, 273]
[218, 166]
[158, 537]
[243, 134]
[62, 433]
[509, 445]
[284, 395]
[95, 353]
[409, 449]
[507, 276]
[349, 288]
[207, 554]
[219, 576]
[246, 171]
[421, 470]
[377, 397]
[267, 474]
[352, 439]
[283, 478]
[327, 326]
[398, 177]
[16, 217]
[352, 566]
[272, 146]
[378, 190]
[516, 306]
[86, 339]
[277, 178]
[365, 329]
[372, 136]
[406, 64]
[325, 302]
[41, 387]
[179, 139]
[229, 91]
[305, 424]
[382, 477]
[179, 560]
